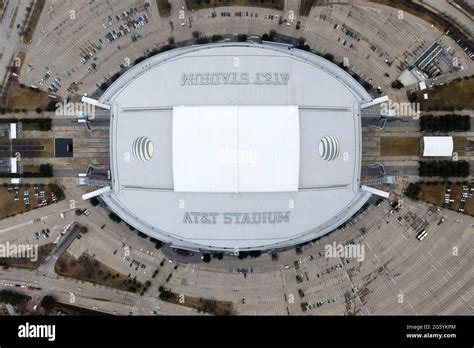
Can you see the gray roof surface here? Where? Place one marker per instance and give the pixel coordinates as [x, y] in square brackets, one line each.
[328, 101]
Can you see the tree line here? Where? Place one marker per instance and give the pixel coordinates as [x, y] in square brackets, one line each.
[445, 123]
[444, 168]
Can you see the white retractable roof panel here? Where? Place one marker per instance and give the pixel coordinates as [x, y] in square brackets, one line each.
[236, 149]
[269, 149]
[202, 139]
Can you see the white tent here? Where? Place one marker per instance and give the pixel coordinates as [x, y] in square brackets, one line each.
[437, 146]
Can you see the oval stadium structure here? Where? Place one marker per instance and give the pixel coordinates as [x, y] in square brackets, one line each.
[235, 146]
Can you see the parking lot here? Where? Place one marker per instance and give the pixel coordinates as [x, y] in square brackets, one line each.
[122, 257]
[394, 263]
[100, 30]
[17, 199]
[376, 43]
[431, 275]
[39, 227]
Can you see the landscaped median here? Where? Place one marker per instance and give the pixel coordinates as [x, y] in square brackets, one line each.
[202, 4]
[91, 270]
[27, 263]
[200, 304]
[400, 146]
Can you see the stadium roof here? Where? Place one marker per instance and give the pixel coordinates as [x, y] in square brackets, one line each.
[236, 148]
[438, 146]
[297, 111]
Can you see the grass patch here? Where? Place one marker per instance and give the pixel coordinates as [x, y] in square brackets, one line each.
[24, 98]
[433, 194]
[469, 207]
[30, 127]
[31, 168]
[164, 8]
[201, 4]
[453, 96]
[400, 146]
[73, 310]
[43, 252]
[456, 192]
[200, 304]
[10, 207]
[460, 145]
[89, 269]
[12, 297]
[33, 19]
[48, 147]
[306, 6]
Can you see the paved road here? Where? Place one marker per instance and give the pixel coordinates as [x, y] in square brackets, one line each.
[9, 39]
[89, 295]
[452, 11]
[86, 294]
